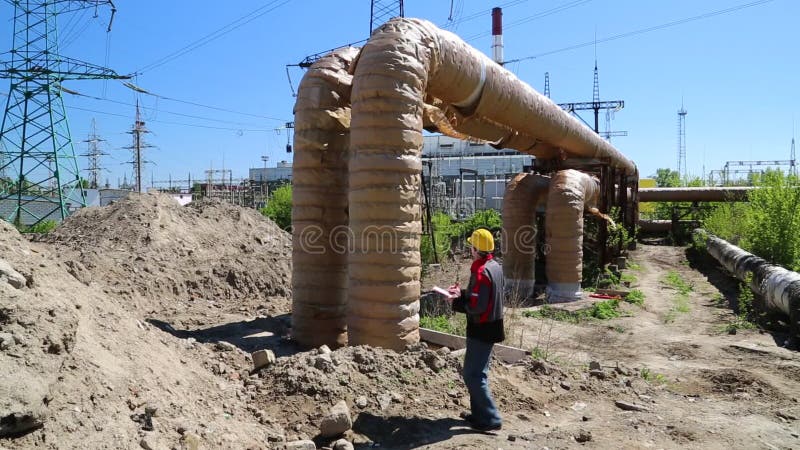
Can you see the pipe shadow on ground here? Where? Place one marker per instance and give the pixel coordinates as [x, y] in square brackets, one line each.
[402, 432]
[728, 286]
[249, 335]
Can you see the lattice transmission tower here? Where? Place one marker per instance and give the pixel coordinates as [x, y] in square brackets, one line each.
[42, 179]
[682, 143]
[94, 153]
[382, 10]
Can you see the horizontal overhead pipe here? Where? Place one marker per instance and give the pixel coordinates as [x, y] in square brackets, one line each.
[695, 194]
[482, 99]
[779, 287]
[654, 226]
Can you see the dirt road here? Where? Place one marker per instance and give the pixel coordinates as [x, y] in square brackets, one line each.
[697, 385]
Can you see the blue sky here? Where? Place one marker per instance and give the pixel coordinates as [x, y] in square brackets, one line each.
[736, 73]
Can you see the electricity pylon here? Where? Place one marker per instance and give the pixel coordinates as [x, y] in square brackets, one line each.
[42, 179]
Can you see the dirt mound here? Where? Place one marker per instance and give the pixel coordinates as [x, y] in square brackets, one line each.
[86, 373]
[150, 251]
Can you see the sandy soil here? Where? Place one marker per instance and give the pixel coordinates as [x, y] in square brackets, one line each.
[95, 346]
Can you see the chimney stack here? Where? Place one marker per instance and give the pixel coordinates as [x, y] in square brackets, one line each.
[497, 35]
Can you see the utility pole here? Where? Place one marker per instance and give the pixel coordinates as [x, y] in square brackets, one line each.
[34, 128]
[137, 147]
[94, 153]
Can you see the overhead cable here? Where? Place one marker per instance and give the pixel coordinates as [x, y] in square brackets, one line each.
[644, 30]
[241, 21]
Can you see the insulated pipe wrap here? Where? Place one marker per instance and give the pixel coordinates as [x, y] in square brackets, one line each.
[520, 200]
[404, 62]
[385, 175]
[319, 202]
[779, 287]
[570, 193]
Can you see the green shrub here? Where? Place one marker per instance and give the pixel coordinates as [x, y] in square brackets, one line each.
[636, 297]
[443, 230]
[455, 324]
[279, 207]
[42, 227]
[768, 224]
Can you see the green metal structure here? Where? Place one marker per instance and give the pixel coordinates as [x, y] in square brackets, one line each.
[39, 174]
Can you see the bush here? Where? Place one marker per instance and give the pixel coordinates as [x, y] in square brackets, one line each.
[43, 227]
[636, 297]
[445, 231]
[768, 224]
[442, 232]
[279, 207]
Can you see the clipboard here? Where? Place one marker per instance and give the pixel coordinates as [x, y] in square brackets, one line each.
[444, 292]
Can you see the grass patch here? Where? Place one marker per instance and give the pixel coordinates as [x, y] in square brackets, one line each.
[633, 266]
[608, 309]
[674, 280]
[652, 377]
[680, 303]
[738, 324]
[628, 278]
[455, 324]
[539, 353]
[635, 297]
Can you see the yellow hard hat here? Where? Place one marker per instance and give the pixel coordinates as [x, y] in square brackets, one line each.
[482, 240]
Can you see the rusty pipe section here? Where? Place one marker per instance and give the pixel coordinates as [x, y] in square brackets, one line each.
[695, 194]
[657, 226]
[571, 192]
[779, 287]
[522, 196]
[319, 201]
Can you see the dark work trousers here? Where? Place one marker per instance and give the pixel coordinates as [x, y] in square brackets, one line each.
[476, 369]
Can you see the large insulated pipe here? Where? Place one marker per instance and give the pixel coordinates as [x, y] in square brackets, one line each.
[319, 202]
[404, 62]
[520, 201]
[780, 288]
[695, 194]
[571, 192]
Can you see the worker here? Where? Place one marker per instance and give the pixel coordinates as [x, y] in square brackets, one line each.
[482, 302]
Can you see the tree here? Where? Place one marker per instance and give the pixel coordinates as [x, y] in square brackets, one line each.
[279, 206]
[667, 178]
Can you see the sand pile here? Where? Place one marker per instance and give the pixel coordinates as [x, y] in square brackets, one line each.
[80, 371]
[152, 252]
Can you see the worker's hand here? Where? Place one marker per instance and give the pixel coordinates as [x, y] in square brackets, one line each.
[454, 290]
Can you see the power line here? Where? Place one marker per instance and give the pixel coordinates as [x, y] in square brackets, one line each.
[209, 127]
[215, 108]
[482, 13]
[161, 110]
[536, 16]
[238, 23]
[645, 30]
[200, 105]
